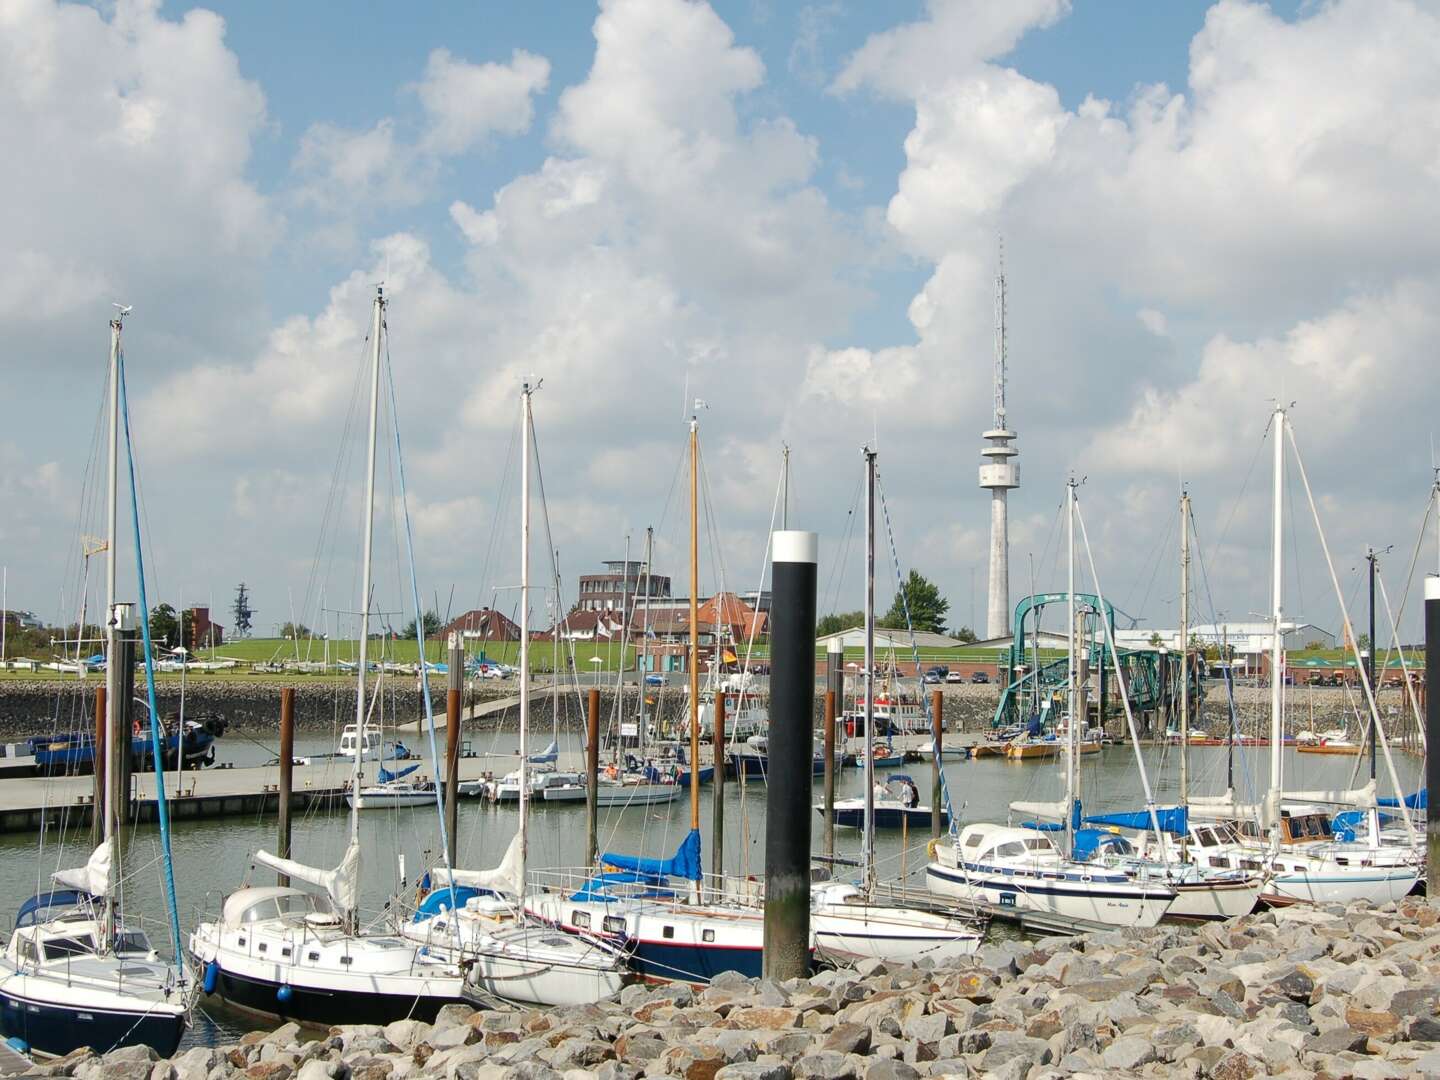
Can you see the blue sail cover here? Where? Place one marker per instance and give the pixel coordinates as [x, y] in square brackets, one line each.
[1173, 819]
[549, 754]
[386, 775]
[685, 863]
[1420, 800]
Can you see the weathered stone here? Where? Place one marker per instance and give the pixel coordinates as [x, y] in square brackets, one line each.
[754, 1070]
[927, 1027]
[692, 1062]
[1336, 1040]
[1128, 1052]
[848, 1039]
[1377, 1024]
[1423, 1029]
[826, 1065]
[1236, 1065]
[891, 1070]
[453, 1014]
[769, 1018]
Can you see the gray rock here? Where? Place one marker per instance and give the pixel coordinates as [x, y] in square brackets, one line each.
[1335, 1041]
[848, 1039]
[453, 1014]
[1009, 1046]
[826, 1065]
[754, 1070]
[407, 1034]
[317, 1070]
[929, 1027]
[1129, 1052]
[891, 1070]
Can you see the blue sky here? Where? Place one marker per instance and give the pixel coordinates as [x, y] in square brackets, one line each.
[792, 209]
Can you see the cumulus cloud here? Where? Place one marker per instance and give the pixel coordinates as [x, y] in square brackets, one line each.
[466, 103]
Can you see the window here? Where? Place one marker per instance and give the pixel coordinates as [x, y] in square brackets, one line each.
[28, 952]
[55, 948]
[312, 957]
[707, 935]
[285, 951]
[347, 960]
[580, 919]
[972, 840]
[242, 942]
[668, 932]
[132, 941]
[1013, 850]
[1205, 837]
[263, 947]
[614, 924]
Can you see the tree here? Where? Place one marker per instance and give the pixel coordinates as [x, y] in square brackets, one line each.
[966, 635]
[1362, 642]
[164, 626]
[837, 621]
[432, 626]
[296, 631]
[1156, 640]
[927, 607]
[241, 611]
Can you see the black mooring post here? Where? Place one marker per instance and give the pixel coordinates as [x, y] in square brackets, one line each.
[791, 749]
[1432, 727]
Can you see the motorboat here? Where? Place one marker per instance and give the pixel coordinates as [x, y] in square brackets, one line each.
[896, 804]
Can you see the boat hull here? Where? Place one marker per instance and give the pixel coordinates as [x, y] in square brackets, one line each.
[847, 932]
[317, 1005]
[57, 1028]
[1117, 904]
[886, 817]
[1214, 900]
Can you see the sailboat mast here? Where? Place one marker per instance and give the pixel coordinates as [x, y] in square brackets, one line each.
[1070, 667]
[868, 842]
[525, 437]
[1184, 654]
[785, 486]
[1277, 567]
[112, 643]
[694, 623]
[377, 322]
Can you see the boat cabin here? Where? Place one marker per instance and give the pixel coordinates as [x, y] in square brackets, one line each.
[288, 905]
[350, 742]
[987, 843]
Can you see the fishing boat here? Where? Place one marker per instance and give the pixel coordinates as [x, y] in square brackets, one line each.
[282, 951]
[75, 972]
[896, 805]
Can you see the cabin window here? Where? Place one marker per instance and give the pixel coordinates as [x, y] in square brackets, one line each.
[55, 948]
[668, 932]
[1205, 837]
[28, 951]
[241, 942]
[580, 919]
[972, 840]
[1013, 850]
[614, 924]
[313, 957]
[347, 960]
[1218, 860]
[285, 951]
[1037, 845]
[707, 935]
[263, 947]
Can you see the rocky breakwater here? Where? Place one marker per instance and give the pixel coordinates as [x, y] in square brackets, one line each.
[1323, 993]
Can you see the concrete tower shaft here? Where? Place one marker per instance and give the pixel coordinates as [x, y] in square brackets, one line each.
[999, 474]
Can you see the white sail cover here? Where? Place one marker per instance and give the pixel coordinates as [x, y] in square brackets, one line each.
[1047, 811]
[341, 884]
[93, 877]
[1362, 798]
[504, 879]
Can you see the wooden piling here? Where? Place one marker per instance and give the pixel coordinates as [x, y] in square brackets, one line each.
[592, 771]
[287, 774]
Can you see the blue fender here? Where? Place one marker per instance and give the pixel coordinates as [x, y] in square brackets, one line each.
[212, 976]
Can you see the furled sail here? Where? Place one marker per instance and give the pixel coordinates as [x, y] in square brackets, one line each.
[341, 884]
[93, 877]
[504, 879]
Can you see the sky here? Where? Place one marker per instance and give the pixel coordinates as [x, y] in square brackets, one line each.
[793, 211]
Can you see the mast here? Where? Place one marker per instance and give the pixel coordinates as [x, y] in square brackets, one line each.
[113, 681]
[694, 620]
[785, 486]
[868, 843]
[525, 437]
[1370, 556]
[356, 777]
[641, 662]
[1277, 568]
[1070, 695]
[1184, 656]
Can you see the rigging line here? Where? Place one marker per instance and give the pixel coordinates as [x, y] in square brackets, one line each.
[754, 620]
[836, 580]
[162, 808]
[1158, 551]
[419, 626]
[1404, 670]
[1244, 486]
[1415, 557]
[900, 595]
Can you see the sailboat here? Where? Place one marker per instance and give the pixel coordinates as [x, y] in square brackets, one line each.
[1326, 872]
[506, 953]
[1023, 867]
[280, 950]
[74, 972]
[846, 920]
[655, 908]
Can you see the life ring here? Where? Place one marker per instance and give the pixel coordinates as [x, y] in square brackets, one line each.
[931, 848]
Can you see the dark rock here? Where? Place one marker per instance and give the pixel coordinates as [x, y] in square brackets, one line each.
[1336, 1041]
[848, 1039]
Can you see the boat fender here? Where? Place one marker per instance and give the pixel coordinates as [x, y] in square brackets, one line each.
[212, 976]
[283, 994]
[18, 1044]
[931, 848]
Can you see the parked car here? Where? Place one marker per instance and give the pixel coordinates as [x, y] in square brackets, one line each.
[654, 680]
[954, 677]
[932, 678]
[979, 677]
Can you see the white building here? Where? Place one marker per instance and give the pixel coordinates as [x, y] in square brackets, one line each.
[1245, 638]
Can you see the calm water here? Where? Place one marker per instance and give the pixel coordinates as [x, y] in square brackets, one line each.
[212, 857]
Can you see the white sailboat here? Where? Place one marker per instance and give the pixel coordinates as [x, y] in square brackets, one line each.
[848, 923]
[1024, 868]
[74, 973]
[280, 950]
[506, 953]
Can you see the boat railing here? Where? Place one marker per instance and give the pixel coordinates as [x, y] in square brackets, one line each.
[727, 888]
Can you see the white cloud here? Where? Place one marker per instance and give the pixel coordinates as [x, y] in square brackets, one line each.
[466, 103]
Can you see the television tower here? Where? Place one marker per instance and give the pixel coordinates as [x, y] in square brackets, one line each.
[1000, 475]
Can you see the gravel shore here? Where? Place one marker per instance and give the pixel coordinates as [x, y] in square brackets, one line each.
[1301, 992]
